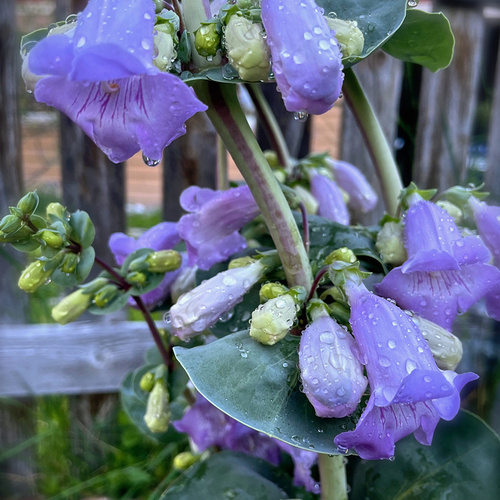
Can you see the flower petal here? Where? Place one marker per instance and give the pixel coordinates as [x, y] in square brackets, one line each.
[52, 56]
[306, 57]
[331, 204]
[488, 225]
[130, 116]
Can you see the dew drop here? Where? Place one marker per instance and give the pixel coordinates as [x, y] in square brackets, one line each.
[150, 162]
[391, 344]
[301, 116]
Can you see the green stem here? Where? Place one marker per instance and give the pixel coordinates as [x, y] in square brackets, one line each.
[375, 140]
[333, 477]
[222, 170]
[270, 124]
[231, 124]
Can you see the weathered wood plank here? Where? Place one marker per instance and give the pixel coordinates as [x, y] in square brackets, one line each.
[81, 358]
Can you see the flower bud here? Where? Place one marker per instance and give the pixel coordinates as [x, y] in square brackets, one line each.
[69, 263]
[53, 239]
[270, 291]
[55, 210]
[10, 223]
[241, 262]
[136, 278]
[164, 261]
[272, 158]
[445, 347]
[33, 277]
[343, 254]
[184, 460]
[71, 307]
[147, 382]
[105, 295]
[164, 45]
[207, 40]
[28, 203]
[157, 416]
[247, 50]
[349, 36]
[452, 209]
[273, 320]
[390, 244]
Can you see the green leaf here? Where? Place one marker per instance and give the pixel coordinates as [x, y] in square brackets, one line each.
[83, 230]
[231, 475]
[461, 464]
[377, 20]
[31, 39]
[424, 39]
[257, 385]
[26, 245]
[85, 264]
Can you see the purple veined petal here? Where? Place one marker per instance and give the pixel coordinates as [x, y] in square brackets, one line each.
[194, 197]
[379, 429]
[440, 296]
[362, 196]
[211, 234]
[488, 225]
[163, 236]
[113, 40]
[331, 204]
[331, 375]
[52, 56]
[398, 361]
[122, 246]
[125, 116]
[303, 461]
[307, 62]
[202, 307]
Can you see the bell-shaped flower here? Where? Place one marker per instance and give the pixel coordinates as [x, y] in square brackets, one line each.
[211, 232]
[445, 272]
[202, 307]
[362, 197]
[163, 236]
[331, 375]
[331, 204]
[307, 62]
[101, 74]
[403, 376]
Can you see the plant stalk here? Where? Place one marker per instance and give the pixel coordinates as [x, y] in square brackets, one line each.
[231, 124]
[333, 477]
[375, 140]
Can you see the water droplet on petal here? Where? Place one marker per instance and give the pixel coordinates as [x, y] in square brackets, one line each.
[150, 162]
[301, 116]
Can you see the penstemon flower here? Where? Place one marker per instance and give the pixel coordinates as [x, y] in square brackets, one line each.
[101, 74]
[211, 232]
[331, 204]
[307, 62]
[445, 273]
[409, 394]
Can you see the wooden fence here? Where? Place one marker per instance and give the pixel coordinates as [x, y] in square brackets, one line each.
[89, 358]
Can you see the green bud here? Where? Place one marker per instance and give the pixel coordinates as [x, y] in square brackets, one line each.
[158, 5]
[273, 320]
[445, 347]
[343, 254]
[164, 44]
[207, 40]
[157, 415]
[247, 50]
[136, 278]
[69, 263]
[390, 244]
[53, 239]
[33, 277]
[349, 36]
[241, 262]
[184, 460]
[272, 158]
[147, 382]
[56, 210]
[105, 295]
[28, 203]
[71, 307]
[164, 261]
[10, 224]
[270, 291]
[452, 209]
[316, 308]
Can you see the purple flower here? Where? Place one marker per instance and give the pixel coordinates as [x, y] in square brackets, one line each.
[331, 204]
[207, 426]
[408, 391]
[211, 232]
[332, 377]
[202, 307]
[307, 62]
[163, 236]
[362, 197]
[487, 220]
[101, 75]
[445, 273]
